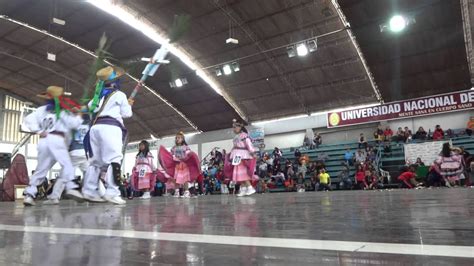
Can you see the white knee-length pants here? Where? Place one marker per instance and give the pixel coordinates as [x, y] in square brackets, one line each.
[52, 149]
[80, 162]
[106, 144]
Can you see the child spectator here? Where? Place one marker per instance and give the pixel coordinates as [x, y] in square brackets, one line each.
[408, 178]
[362, 141]
[360, 178]
[399, 136]
[420, 134]
[360, 156]
[387, 149]
[388, 133]
[379, 134]
[438, 133]
[407, 135]
[318, 140]
[349, 157]
[346, 181]
[324, 180]
[470, 126]
[371, 179]
[419, 162]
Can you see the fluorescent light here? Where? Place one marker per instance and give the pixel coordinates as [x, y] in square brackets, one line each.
[263, 122]
[178, 83]
[397, 23]
[227, 70]
[312, 45]
[235, 66]
[59, 21]
[218, 72]
[290, 50]
[301, 49]
[346, 108]
[51, 56]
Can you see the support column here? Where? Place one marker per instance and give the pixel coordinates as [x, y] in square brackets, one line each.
[467, 9]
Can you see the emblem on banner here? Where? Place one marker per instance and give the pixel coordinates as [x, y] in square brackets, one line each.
[334, 119]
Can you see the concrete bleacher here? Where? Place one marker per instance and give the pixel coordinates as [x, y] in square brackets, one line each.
[336, 151]
[396, 161]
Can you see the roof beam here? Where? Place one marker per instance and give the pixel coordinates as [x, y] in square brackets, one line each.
[346, 24]
[467, 11]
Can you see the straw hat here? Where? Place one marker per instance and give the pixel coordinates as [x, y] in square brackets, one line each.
[180, 133]
[52, 92]
[110, 73]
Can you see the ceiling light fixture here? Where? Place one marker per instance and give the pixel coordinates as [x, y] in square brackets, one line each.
[227, 70]
[178, 83]
[218, 72]
[290, 50]
[397, 23]
[235, 67]
[301, 49]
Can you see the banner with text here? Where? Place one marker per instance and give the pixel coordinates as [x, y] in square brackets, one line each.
[443, 103]
[426, 151]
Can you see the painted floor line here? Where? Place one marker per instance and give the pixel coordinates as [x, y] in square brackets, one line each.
[348, 246]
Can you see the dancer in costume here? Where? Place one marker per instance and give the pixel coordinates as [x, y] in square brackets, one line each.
[144, 171]
[53, 122]
[78, 159]
[104, 141]
[241, 162]
[181, 164]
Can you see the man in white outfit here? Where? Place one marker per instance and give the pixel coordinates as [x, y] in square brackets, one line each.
[52, 123]
[106, 137]
[78, 159]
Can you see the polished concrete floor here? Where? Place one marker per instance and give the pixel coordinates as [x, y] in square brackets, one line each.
[398, 227]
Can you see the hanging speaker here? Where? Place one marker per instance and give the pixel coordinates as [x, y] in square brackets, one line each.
[5, 160]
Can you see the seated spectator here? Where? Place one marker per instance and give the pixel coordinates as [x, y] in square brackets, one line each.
[470, 126]
[349, 157]
[324, 181]
[387, 149]
[360, 178]
[379, 134]
[449, 165]
[360, 156]
[388, 133]
[279, 177]
[450, 133]
[419, 162]
[371, 155]
[318, 140]
[407, 135]
[438, 133]
[362, 141]
[300, 183]
[346, 181]
[290, 185]
[297, 154]
[262, 169]
[277, 153]
[399, 136]
[371, 179]
[312, 167]
[322, 157]
[421, 134]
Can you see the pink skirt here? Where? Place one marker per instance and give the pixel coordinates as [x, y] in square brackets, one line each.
[181, 174]
[240, 173]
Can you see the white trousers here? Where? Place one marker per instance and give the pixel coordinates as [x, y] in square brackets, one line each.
[52, 149]
[80, 162]
[106, 144]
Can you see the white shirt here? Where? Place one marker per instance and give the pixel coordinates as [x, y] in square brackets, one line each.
[42, 120]
[117, 107]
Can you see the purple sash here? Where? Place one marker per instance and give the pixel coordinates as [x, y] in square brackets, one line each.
[106, 120]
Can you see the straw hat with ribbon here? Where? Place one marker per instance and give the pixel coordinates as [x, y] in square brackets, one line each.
[105, 75]
[56, 93]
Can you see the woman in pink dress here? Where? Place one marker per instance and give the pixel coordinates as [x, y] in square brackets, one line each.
[144, 171]
[241, 162]
[181, 164]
